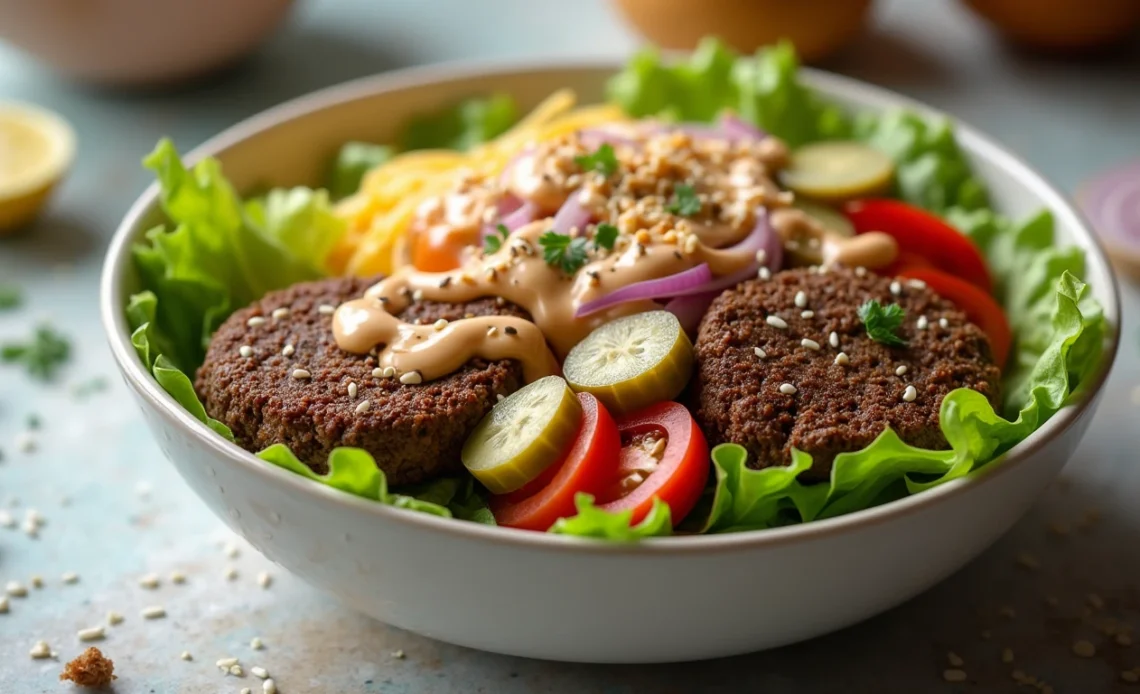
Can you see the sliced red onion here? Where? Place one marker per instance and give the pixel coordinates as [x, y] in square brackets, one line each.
[738, 129]
[689, 281]
[1112, 203]
[571, 214]
[699, 280]
[594, 137]
[691, 309]
[524, 214]
[729, 127]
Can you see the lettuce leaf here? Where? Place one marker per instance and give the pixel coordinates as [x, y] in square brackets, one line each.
[462, 126]
[592, 521]
[351, 163]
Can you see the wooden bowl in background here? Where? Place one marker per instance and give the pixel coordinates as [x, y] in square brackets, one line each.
[818, 28]
[1063, 25]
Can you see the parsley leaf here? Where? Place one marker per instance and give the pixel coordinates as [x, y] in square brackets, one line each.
[10, 296]
[45, 353]
[564, 252]
[602, 159]
[882, 322]
[605, 235]
[493, 243]
[684, 201]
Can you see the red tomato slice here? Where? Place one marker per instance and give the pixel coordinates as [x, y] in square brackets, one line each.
[678, 478]
[588, 467]
[979, 306]
[923, 234]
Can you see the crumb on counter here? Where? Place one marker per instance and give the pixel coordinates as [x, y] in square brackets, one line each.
[90, 669]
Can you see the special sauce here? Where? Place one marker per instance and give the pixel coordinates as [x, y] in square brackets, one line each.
[638, 196]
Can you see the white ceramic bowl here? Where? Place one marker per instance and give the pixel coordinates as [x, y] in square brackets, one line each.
[561, 598]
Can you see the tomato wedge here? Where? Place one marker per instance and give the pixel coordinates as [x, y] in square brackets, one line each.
[922, 234]
[588, 467]
[980, 307]
[676, 474]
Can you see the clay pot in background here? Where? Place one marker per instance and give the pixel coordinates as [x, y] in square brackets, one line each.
[128, 43]
[818, 28]
[1062, 24]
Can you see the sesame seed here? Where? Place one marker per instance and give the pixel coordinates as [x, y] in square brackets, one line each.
[761, 256]
[326, 309]
[842, 359]
[236, 671]
[154, 612]
[499, 397]
[264, 579]
[492, 331]
[833, 339]
[149, 581]
[917, 284]
[186, 655]
[16, 589]
[801, 299]
[896, 288]
[91, 634]
[439, 324]
[411, 378]
[691, 242]
[787, 389]
[226, 663]
[909, 394]
[3, 604]
[954, 675]
[954, 659]
[255, 643]
[288, 350]
[807, 314]
[922, 323]
[31, 529]
[810, 344]
[301, 374]
[25, 442]
[245, 351]
[269, 687]
[860, 271]
[40, 649]
[511, 330]
[377, 372]
[1084, 649]
[231, 550]
[255, 321]
[1007, 656]
[901, 371]
[764, 273]
[114, 618]
[363, 407]
[943, 323]
[279, 313]
[759, 352]
[389, 372]
[259, 672]
[418, 295]
[776, 322]
[352, 389]
[37, 581]
[398, 654]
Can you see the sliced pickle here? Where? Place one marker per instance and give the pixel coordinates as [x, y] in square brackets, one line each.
[632, 362]
[831, 219]
[838, 170]
[523, 435]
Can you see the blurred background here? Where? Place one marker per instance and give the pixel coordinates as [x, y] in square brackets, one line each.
[1057, 81]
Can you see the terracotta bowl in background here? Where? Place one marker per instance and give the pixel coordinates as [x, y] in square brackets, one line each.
[131, 43]
[1064, 25]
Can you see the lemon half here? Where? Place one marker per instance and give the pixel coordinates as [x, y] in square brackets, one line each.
[36, 149]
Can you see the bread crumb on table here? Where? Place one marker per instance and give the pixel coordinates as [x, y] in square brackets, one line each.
[90, 669]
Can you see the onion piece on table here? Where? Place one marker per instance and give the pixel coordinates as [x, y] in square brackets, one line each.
[1112, 203]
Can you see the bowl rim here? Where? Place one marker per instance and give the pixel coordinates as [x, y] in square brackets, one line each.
[112, 303]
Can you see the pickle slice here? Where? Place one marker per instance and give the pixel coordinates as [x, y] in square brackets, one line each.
[838, 170]
[831, 219]
[632, 362]
[523, 435]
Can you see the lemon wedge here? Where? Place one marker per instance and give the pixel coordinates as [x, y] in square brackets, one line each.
[36, 149]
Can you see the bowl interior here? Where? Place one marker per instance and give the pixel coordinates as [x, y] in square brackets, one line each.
[293, 144]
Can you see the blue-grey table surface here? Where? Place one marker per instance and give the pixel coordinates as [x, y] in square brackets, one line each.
[115, 509]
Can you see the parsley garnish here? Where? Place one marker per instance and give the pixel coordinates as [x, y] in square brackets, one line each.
[605, 235]
[494, 242]
[9, 296]
[882, 322]
[45, 353]
[602, 159]
[684, 201]
[564, 252]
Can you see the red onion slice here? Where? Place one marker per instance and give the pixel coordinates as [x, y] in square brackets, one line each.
[737, 129]
[688, 281]
[523, 215]
[1112, 203]
[691, 309]
[572, 214]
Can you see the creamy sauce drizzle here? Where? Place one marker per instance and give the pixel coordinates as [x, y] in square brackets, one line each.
[654, 243]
